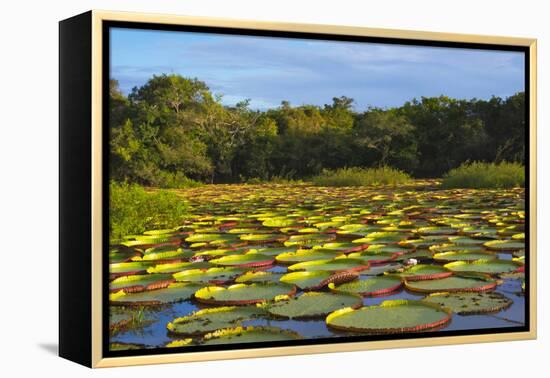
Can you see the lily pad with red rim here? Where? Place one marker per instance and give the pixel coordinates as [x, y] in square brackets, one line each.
[315, 280]
[248, 260]
[250, 335]
[175, 292]
[425, 272]
[469, 283]
[393, 316]
[243, 294]
[491, 266]
[141, 282]
[334, 265]
[311, 305]
[470, 303]
[211, 319]
[377, 285]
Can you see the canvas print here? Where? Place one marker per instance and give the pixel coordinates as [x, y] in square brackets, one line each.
[282, 190]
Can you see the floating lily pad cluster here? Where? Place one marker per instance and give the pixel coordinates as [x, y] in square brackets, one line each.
[249, 254]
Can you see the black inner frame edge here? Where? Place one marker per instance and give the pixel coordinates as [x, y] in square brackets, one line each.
[106, 70]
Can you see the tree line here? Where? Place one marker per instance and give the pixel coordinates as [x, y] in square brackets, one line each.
[173, 131]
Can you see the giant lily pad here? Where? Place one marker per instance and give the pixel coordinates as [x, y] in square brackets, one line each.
[178, 267]
[493, 266]
[141, 282]
[311, 305]
[248, 260]
[334, 265]
[211, 275]
[395, 316]
[440, 248]
[308, 239]
[377, 285]
[374, 257]
[127, 269]
[274, 251]
[451, 284]
[249, 335]
[175, 254]
[262, 238]
[279, 222]
[425, 272]
[382, 238]
[259, 277]
[345, 247]
[505, 245]
[463, 256]
[175, 292]
[211, 319]
[314, 280]
[470, 303]
[242, 294]
[302, 255]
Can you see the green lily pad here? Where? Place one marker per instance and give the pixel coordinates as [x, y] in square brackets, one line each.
[211, 275]
[249, 335]
[211, 319]
[122, 254]
[344, 247]
[249, 277]
[505, 245]
[179, 343]
[175, 292]
[425, 272]
[314, 280]
[440, 248]
[302, 255]
[279, 222]
[175, 254]
[262, 238]
[242, 294]
[312, 305]
[373, 257]
[274, 251]
[372, 286]
[178, 267]
[127, 268]
[394, 316]
[463, 240]
[381, 248]
[124, 346]
[493, 266]
[207, 238]
[451, 284]
[382, 238]
[140, 282]
[248, 260]
[437, 231]
[463, 256]
[333, 265]
[470, 303]
[308, 239]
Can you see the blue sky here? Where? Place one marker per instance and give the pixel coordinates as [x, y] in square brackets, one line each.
[268, 70]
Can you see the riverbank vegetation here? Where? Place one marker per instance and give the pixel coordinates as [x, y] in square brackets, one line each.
[174, 132]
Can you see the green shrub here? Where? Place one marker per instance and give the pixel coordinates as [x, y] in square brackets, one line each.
[133, 209]
[361, 176]
[177, 180]
[486, 175]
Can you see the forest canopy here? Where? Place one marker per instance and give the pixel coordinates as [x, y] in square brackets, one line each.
[173, 132]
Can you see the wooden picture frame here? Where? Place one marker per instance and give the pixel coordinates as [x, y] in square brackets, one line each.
[84, 187]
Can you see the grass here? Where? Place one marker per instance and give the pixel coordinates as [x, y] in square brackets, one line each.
[486, 176]
[361, 177]
[133, 210]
